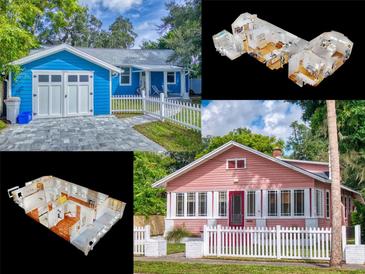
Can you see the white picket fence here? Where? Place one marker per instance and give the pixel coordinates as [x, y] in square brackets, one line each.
[275, 242]
[179, 112]
[140, 235]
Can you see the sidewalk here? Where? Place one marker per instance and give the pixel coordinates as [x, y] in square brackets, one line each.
[180, 258]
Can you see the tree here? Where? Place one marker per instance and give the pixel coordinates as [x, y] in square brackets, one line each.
[305, 144]
[148, 168]
[121, 33]
[351, 131]
[336, 250]
[265, 144]
[181, 30]
[19, 21]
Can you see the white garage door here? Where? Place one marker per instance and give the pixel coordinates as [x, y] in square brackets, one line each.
[62, 94]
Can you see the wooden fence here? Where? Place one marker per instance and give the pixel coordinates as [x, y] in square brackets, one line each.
[140, 235]
[275, 242]
[179, 112]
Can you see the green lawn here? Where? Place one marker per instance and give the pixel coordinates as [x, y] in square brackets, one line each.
[172, 267]
[126, 115]
[2, 125]
[172, 137]
[175, 248]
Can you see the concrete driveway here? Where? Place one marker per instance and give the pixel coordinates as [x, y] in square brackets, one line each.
[79, 133]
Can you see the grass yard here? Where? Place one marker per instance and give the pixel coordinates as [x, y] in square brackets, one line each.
[173, 248]
[172, 267]
[126, 115]
[172, 137]
[2, 125]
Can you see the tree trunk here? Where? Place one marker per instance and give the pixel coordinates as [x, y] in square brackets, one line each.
[336, 250]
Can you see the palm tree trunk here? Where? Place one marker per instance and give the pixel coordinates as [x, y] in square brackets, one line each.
[336, 249]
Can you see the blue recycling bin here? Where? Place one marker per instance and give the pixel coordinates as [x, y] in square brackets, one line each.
[24, 117]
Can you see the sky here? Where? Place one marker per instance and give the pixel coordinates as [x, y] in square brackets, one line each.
[272, 118]
[145, 15]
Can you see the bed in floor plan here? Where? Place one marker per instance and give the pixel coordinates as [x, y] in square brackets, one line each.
[309, 62]
[79, 215]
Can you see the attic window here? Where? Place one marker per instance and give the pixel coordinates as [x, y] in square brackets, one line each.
[238, 163]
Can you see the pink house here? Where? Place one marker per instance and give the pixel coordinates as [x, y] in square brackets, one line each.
[235, 185]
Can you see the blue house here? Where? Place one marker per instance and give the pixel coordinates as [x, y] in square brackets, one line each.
[64, 81]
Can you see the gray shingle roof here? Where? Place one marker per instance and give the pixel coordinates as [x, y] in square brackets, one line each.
[118, 57]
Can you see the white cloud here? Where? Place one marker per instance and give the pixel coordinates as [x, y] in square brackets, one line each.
[271, 118]
[113, 5]
[146, 30]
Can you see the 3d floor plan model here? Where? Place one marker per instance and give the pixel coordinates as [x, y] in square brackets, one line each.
[309, 62]
[77, 214]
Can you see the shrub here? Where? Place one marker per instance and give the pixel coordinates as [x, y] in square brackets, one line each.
[177, 234]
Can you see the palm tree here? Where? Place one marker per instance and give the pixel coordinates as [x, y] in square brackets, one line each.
[336, 250]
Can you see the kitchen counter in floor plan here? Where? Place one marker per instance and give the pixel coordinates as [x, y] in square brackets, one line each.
[77, 214]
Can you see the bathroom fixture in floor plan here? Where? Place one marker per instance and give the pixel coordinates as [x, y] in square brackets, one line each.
[79, 215]
[309, 62]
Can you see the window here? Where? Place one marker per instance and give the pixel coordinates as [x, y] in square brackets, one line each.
[236, 163]
[251, 202]
[285, 203]
[43, 78]
[191, 204]
[84, 78]
[272, 203]
[125, 76]
[202, 204]
[179, 204]
[72, 78]
[222, 204]
[327, 204]
[299, 202]
[319, 203]
[55, 78]
[171, 77]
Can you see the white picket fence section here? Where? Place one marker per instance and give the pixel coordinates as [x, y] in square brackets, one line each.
[268, 242]
[175, 111]
[140, 235]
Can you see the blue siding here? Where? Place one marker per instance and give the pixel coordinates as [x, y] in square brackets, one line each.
[117, 89]
[63, 60]
[157, 80]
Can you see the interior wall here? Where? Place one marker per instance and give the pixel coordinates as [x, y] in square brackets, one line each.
[35, 200]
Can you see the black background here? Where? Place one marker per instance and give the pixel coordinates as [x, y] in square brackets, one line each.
[247, 78]
[29, 246]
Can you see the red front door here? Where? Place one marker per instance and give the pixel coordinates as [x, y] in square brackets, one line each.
[236, 208]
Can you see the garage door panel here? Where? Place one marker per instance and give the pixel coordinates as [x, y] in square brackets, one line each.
[56, 92]
[84, 98]
[43, 104]
[72, 99]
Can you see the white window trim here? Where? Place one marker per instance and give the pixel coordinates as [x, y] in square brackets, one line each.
[329, 204]
[206, 206]
[246, 204]
[187, 215]
[236, 159]
[176, 203]
[130, 76]
[222, 217]
[278, 193]
[321, 215]
[291, 195]
[171, 83]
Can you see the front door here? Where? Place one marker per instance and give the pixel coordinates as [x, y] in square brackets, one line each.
[61, 94]
[236, 208]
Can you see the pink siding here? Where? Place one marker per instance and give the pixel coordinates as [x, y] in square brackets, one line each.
[311, 167]
[259, 173]
[285, 222]
[195, 226]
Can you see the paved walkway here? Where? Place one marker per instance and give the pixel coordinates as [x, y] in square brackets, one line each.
[180, 258]
[79, 133]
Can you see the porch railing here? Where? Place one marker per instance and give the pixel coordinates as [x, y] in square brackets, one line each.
[179, 112]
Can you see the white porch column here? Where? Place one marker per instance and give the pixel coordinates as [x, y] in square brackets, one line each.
[182, 84]
[148, 83]
[165, 83]
[168, 211]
